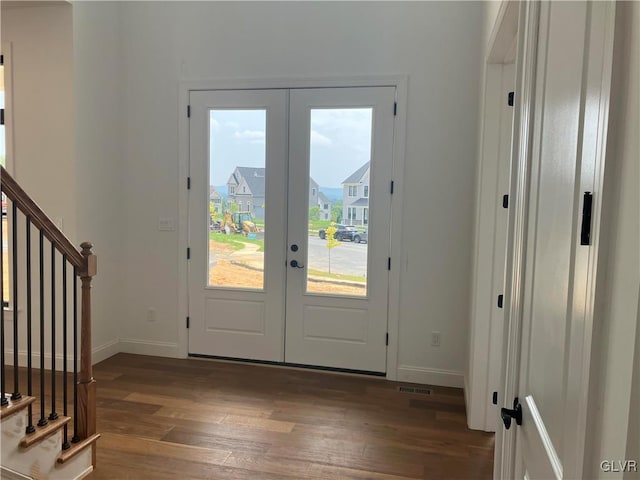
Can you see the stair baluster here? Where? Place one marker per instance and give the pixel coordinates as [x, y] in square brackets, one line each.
[75, 438]
[30, 428]
[43, 419]
[53, 415]
[16, 347]
[65, 438]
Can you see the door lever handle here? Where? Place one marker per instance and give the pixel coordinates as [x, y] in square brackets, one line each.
[295, 264]
[507, 414]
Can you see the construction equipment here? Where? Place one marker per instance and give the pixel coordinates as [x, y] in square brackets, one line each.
[238, 222]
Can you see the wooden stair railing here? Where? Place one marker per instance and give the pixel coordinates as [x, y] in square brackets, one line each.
[84, 264]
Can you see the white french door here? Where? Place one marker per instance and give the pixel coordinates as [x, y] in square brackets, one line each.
[289, 216]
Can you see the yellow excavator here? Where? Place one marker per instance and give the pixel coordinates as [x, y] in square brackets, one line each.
[239, 222]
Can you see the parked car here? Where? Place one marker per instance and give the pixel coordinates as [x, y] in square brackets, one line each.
[343, 232]
[361, 237]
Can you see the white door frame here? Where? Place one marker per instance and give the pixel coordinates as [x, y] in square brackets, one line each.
[399, 136]
[485, 355]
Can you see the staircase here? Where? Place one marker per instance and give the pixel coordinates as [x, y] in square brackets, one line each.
[47, 414]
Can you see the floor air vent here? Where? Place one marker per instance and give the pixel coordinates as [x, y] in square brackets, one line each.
[416, 390]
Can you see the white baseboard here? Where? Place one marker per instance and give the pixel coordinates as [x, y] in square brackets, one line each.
[149, 347]
[9, 474]
[430, 376]
[105, 350]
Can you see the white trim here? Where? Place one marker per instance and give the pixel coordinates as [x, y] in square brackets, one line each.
[399, 81]
[9, 474]
[106, 350]
[149, 347]
[431, 376]
[552, 454]
[7, 50]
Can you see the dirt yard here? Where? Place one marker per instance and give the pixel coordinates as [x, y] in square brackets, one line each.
[238, 269]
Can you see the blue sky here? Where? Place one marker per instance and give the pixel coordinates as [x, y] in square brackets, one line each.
[340, 142]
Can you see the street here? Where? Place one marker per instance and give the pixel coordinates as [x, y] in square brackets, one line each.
[347, 258]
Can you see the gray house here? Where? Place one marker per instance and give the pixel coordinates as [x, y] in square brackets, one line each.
[216, 199]
[355, 197]
[245, 188]
[316, 197]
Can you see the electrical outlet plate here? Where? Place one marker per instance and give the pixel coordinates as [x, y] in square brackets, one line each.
[435, 339]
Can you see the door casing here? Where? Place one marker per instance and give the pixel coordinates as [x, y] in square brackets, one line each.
[399, 135]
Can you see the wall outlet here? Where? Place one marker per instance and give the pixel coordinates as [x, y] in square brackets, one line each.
[435, 339]
[151, 315]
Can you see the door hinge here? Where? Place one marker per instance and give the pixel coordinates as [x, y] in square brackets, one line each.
[395, 108]
[188, 183]
[505, 201]
[1, 116]
[188, 319]
[188, 253]
[494, 398]
[188, 111]
[389, 263]
[500, 300]
[392, 187]
[510, 99]
[585, 231]
[1, 59]
[386, 340]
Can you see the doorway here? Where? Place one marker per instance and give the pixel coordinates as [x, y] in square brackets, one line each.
[289, 225]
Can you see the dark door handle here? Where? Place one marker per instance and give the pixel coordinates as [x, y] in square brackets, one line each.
[294, 264]
[515, 414]
[294, 248]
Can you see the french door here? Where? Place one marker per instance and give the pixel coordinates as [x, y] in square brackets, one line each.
[289, 217]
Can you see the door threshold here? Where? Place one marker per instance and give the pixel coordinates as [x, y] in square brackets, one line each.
[289, 365]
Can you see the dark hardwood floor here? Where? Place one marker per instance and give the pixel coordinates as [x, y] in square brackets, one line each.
[164, 418]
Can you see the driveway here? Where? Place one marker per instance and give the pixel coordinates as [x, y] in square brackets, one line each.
[347, 258]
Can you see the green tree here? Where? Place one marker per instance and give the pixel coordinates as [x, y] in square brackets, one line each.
[314, 213]
[331, 240]
[336, 212]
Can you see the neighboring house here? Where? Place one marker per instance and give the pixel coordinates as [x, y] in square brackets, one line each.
[216, 199]
[316, 197]
[355, 197]
[246, 189]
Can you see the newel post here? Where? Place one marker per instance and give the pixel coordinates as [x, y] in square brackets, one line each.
[86, 383]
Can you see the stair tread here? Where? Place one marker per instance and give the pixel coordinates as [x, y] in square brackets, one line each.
[76, 448]
[42, 432]
[15, 405]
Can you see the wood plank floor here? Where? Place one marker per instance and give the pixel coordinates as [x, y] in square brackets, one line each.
[164, 418]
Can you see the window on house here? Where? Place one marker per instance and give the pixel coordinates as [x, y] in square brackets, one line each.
[244, 189]
[325, 206]
[313, 192]
[240, 205]
[232, 190]
[248, 206]
[353, 190]
[351, 213]
[365, 216]
[366, 191]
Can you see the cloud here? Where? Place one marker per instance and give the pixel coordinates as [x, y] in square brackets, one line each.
[252, 136]
[319, 139]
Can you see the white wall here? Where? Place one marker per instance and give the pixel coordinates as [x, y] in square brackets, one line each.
[43, 115]
[437, 44]
[615, 331]
[100, 171]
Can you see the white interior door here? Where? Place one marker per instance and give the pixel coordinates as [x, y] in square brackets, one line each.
[273, 184]
[337, 289]
[567, 156]
[238, 164]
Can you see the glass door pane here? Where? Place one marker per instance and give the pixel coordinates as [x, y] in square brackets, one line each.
[339, 189]
[237, 200]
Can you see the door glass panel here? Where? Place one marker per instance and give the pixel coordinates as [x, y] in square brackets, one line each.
[339, 192]
[237, 161]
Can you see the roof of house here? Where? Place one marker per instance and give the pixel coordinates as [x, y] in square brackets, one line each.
[323, 198]
[214, 194]
[356, 176]
[361, 202]
[254, 178]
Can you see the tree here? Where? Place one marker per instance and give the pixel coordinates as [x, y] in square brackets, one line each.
[331, 240]
[314, 213]
[336, 212]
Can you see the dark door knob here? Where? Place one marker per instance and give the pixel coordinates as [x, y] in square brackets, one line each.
[295, 264]
[515, 414]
